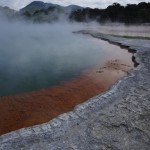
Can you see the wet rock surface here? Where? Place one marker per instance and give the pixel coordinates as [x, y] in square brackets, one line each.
[117, 119]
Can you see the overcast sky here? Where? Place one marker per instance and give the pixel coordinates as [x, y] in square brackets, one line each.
[17, 4]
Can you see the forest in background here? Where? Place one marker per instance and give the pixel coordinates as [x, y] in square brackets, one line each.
[129, 14]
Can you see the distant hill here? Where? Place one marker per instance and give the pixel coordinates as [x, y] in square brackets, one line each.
[47, 12]
[38, 5]
[38, 11]
[71, 8]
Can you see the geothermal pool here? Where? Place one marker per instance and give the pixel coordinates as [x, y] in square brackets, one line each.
[46, 70]
[42, 56]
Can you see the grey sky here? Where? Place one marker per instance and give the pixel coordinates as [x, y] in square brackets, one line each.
[17, 4]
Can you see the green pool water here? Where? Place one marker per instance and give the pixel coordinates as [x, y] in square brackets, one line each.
[41, 56]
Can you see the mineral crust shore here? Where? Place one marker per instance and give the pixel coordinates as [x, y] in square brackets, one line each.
[118, 119]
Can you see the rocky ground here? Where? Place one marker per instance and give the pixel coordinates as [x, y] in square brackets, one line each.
[118, 119]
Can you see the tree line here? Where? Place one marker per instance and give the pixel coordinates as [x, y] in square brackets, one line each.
[131, 13]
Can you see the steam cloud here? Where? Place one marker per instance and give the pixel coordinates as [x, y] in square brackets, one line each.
[34, 56]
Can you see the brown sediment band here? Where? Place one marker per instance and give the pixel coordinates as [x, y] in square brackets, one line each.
[28, 109]
[37, 107]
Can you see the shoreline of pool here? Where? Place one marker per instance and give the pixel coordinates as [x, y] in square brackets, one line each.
[117, 109]
[39, 106]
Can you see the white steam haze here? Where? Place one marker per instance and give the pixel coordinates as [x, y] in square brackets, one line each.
[18, 4]
[124, 30]
[34, 56]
